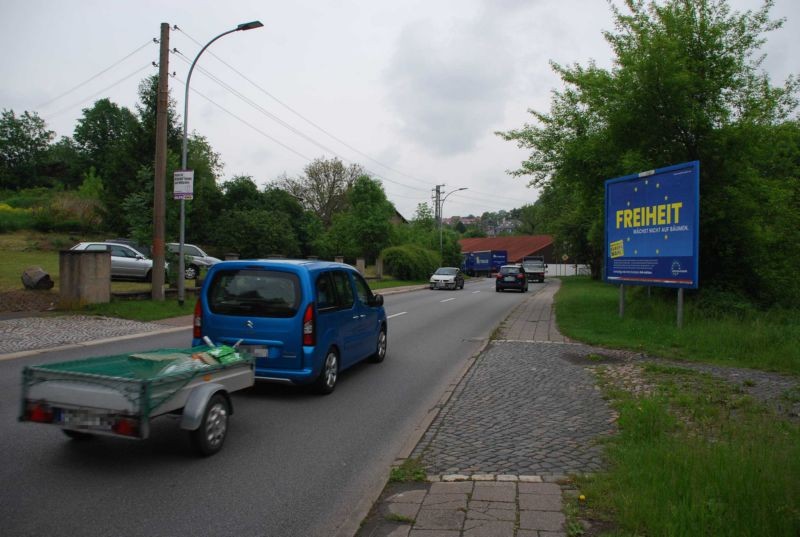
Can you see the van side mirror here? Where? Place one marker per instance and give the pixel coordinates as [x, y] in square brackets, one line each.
[376, 300]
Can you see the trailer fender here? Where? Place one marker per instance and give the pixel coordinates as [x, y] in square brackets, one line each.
[196, 404]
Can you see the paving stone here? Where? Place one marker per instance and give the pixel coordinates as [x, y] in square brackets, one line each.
[406, 510]
[433, 533]
[483, 477]
[445, 501]
[540, 502]
[530, 479]
[451, 488]
[409, 496]
[497, 492]
[499, 511]
[481, 528]
[440, 519]
[541, 520]
[539, 488]
[503, 477]
[455, 477]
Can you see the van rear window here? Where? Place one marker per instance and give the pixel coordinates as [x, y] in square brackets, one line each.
[254, 293]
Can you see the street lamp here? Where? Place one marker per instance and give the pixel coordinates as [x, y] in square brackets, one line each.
[185, 148]
[441, 215]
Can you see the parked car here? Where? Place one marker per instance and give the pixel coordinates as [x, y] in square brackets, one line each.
[447, 278]
[127, 263]
[511, 277]
[303, 321]
[197, 259]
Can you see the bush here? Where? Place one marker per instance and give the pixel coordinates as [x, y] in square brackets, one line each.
[410, 262]
[13, 219]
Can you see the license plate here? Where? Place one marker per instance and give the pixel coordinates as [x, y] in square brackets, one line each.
[79, 418]
[256, 351]
[509, 278]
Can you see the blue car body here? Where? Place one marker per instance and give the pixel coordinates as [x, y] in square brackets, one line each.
[291, 314]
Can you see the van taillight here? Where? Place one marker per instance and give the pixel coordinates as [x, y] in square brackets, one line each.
[198, 320]
[309, 328]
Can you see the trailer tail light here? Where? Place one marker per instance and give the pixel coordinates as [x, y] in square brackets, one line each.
[309, 328]
[197, 323]
[39, 412]
[126, 426]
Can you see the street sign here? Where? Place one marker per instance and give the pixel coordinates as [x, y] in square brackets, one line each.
[652, 223]
[183, 185]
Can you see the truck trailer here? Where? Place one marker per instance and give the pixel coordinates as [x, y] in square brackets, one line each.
[484, 262]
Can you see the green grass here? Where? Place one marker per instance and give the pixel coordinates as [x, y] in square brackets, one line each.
[142, 310]
[410, 470]
[698, 458]
[588, 311]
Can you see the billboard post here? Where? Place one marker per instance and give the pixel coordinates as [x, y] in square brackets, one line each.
[651, 229]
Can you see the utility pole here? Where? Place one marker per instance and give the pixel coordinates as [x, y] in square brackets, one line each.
[437, 211]
[159, 182]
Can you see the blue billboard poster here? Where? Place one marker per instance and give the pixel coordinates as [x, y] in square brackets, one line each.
[652, 223]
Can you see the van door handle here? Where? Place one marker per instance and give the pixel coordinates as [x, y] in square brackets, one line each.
[355, 317]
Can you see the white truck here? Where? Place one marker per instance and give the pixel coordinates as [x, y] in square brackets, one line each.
[534, 267]
[120, 395]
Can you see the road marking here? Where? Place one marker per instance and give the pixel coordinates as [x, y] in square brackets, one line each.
[475, 292]
[447, 300]
[397, 314]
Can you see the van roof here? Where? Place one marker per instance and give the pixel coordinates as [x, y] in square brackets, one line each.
[310, 264]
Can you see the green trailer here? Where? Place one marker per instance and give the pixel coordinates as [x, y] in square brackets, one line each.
[120, 395]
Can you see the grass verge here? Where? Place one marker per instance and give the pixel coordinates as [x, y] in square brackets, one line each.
[588, 311]
[696, 457]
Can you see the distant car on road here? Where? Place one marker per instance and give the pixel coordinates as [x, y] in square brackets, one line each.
[127, 263]
[197, 259]
[511, 277]
[447, 278]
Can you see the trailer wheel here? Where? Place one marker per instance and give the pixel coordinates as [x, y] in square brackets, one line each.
[209, 437]
[77, 435]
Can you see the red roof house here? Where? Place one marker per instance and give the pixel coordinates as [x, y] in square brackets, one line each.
[517, 246]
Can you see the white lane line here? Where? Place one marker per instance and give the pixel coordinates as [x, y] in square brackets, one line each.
[396, 314]
[447, 300]
[475, 292]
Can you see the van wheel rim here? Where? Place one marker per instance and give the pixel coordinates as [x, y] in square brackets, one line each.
[331, 367]
[381, 344]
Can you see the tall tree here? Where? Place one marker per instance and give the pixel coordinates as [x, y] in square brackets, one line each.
[24, 140]
[324, 186]
[686, 84]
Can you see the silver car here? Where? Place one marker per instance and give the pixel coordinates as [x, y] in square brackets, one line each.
[447, 278]
[127, 263]
[196, 259]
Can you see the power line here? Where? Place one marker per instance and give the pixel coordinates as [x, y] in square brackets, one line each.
[286, 125]
[262, 133]
[301, 116]
[54, 99]
[118, 82]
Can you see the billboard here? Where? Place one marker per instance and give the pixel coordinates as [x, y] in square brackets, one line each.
[652, 223]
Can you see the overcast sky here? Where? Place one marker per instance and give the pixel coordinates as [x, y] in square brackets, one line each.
[413, 90]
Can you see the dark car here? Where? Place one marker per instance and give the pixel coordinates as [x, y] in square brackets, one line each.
[511, 277]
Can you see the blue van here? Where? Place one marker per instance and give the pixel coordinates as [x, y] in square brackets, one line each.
[303, 321]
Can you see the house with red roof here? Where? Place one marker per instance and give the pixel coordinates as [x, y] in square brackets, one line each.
[517, 246]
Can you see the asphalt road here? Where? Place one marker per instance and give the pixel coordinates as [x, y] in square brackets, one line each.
[294, 463]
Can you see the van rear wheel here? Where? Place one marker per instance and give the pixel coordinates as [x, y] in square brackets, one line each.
[326, 382]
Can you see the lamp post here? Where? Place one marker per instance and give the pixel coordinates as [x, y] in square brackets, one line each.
[441, 215]
[185, 148]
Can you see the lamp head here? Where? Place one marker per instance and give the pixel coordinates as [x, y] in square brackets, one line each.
[249, 25]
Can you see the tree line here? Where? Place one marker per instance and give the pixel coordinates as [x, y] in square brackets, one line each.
[100, 180]
[686, 84]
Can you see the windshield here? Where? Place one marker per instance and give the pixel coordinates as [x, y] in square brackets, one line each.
[509, 270]
[446, 271]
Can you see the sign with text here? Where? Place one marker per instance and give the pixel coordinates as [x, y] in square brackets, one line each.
[652, 223]
[183, 185]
